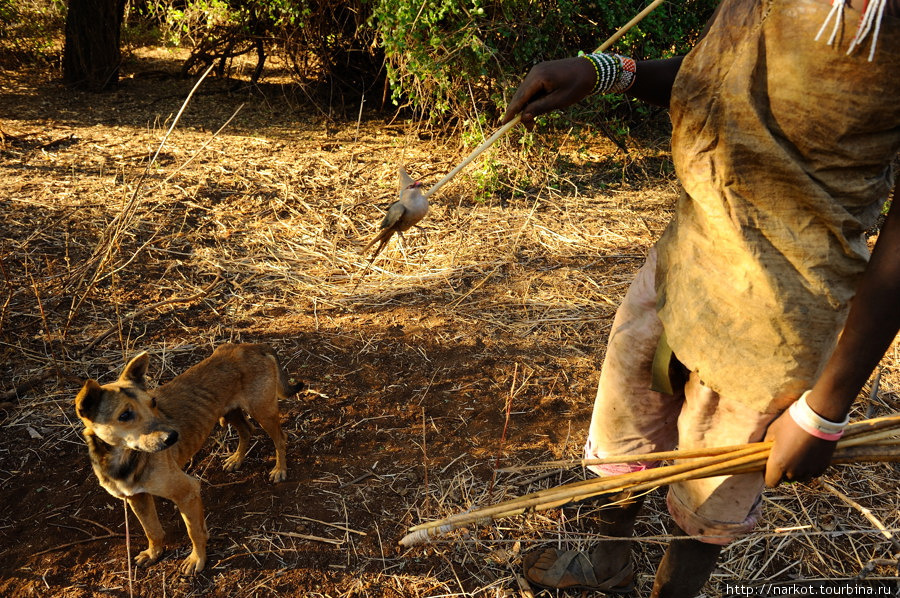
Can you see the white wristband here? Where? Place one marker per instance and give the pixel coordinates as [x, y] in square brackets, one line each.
[807, 418]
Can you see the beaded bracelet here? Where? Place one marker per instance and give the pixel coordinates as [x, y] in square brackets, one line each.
[615, 73]
[814, 424]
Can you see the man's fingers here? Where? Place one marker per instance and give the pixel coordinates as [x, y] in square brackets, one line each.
[528, 121]
[539, 104]
[510, 113]
[527, 92]
[773, 476]
[546, 103]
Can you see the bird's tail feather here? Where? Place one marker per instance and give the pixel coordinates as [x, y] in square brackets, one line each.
[384, 238]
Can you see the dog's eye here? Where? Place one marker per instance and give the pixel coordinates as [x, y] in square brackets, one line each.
[126, 416]
[153, 403]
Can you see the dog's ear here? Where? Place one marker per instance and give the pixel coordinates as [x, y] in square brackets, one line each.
[88, 400]
[136, 370]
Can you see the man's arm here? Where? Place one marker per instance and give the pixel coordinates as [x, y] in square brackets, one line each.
[558, 84]
[872, 324]
[657, 77]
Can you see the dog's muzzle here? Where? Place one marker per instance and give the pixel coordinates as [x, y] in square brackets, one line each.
[156, 441]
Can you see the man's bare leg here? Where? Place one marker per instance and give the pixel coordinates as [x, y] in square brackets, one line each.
[610, 556]
[685, 568]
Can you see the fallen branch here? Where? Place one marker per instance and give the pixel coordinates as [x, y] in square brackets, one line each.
[109, 239]
[867, 513]
[135, 314]
[57, 142]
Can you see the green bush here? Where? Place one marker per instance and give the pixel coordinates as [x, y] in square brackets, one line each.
[447, 59]
[30, 30]
[323, 40]
[452, 59]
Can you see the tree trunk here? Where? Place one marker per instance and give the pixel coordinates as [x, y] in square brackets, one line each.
[91, 57]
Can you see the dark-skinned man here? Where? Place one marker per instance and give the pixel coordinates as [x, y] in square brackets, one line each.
[760, 300]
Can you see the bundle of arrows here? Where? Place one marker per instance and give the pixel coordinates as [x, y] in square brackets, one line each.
[865, 441]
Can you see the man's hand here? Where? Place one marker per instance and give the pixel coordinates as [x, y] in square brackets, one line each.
[872, 325]
[796, 455]
[549, 86]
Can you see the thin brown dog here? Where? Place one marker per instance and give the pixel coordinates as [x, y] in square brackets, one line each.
[139, 439]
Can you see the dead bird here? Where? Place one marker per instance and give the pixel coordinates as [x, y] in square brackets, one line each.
[402, 215]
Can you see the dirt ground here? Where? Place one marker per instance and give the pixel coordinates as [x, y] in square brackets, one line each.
[474, 345]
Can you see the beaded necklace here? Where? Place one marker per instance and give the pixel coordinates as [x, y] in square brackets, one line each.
[872, 13]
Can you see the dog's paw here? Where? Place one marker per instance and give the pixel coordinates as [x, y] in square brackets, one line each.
[233, 462]
[277, 475]
[193, 564]
[148, 557]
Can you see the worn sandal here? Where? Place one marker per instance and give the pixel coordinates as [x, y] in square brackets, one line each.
[578, 566]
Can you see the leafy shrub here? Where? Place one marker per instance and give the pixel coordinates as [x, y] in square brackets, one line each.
[30, 29]
[449, 58]
[320, 39]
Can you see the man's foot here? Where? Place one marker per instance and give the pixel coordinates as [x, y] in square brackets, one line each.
[573, 570]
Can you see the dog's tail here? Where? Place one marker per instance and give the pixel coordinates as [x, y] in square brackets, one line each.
[295, 388]
[285, 388]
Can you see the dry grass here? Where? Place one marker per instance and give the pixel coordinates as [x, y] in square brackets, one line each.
[258, 237]
[811, 532]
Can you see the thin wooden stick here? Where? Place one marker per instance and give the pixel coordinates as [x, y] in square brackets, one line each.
[343, 528]
[656, 456]
[871, 440]
[871, 425]
[120, 222]
[202, 147]
[128, 551]
[867, 513]
[624, 28]
[642, 476]
[866, 454]
[505, 128]
[308, 537]
[508, 410]
[474, 154]
[553, 497]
